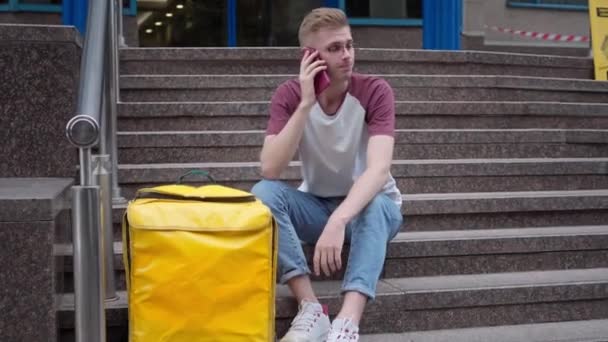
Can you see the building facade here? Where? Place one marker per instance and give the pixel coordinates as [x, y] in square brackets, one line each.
[376, 23]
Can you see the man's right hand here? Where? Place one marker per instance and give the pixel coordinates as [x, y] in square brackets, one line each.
[309, 67]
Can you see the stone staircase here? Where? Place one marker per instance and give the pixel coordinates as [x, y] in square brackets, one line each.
[502, 159]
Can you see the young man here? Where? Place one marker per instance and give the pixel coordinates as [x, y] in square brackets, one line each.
[344, 137]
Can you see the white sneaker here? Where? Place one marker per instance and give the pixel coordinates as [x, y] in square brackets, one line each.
[343, 330]
[311, 324]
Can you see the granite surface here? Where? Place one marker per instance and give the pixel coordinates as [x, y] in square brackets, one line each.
[244, 146]
[420, 267]
[469, 252]
[423, 121]
[38, 95]
[30, 18]
[477, 42]
[461, 203]
[493, 210]
[590, 330]
[433, 219]
[33, 199]
[39, 33]
[241, 171]
[28, 281]
[543, 50]
[495, 263]
[402, 108]
[505, 220]
[397, 81]
[390, 60]
[402, 136]
[161, 88]
[195, 123]
[444, 184]
[159, 116]
[598, 138]
[422, 93]
[263, 67]
[500, 183]
[209, 109]
[482, 303]
[390, 54]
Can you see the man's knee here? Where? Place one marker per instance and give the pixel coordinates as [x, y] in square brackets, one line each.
[380, 211]
[380, 206]
[270, 192]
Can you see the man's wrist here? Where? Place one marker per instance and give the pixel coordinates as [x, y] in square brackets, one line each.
[339, 219]
[305, 106]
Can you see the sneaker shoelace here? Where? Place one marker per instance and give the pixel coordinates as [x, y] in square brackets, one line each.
[346, 332]
[305, 319]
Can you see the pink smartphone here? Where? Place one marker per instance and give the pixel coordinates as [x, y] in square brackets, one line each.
[322, 80]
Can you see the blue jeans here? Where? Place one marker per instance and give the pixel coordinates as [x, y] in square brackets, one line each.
[302, 216]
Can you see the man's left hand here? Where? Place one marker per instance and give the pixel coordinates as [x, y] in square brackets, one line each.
[328, 251]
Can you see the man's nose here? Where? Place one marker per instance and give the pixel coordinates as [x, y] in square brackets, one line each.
[346, 53]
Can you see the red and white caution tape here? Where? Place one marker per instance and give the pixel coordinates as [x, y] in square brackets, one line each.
[544, 36]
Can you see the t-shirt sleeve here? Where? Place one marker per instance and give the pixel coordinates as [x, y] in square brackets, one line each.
[283, 103]
[380, 114]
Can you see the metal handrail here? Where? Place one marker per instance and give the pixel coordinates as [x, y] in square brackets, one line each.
[94, 125]
[83, 129]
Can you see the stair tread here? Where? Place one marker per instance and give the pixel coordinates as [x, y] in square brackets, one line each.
[496, 202]
[399, 130]
[326, 290]
[506, 195]
[397, 102]
[531, 161]
[385, 75]
[227, 81]
[581, 331]
[65, 249]
[425, 107]
[363, 54]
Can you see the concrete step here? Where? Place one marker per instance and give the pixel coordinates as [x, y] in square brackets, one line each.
[412, 176]
[181, 116]
[417, 254]
[142, 88]
[285, 60]
[239, 146]
[444, 302]
[493, 210]
[581, 331]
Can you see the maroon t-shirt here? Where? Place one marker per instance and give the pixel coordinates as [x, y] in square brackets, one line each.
[375, 96]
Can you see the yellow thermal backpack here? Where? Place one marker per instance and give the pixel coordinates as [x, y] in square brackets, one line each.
[200, 265]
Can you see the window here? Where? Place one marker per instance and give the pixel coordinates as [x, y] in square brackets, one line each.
[41, 2]
[383, 12]
[31, 5]
[52, 6]
[573, 5]
[183, 23]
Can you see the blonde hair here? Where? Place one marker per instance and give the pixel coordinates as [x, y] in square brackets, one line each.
[320, 18]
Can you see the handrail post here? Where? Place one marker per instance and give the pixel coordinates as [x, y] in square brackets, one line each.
[121, 36]
[85, 166]
[101, 176]
[83, 131]
[112, 97]
[88, 292]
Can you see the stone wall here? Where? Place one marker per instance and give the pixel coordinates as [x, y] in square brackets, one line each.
[38, 93]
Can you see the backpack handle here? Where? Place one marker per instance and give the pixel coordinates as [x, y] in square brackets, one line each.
[195, 173]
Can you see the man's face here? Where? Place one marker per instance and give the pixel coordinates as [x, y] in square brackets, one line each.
[335, 47]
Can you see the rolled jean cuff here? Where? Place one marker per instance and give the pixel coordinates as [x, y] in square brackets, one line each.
[292, 274]
[364, 290]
